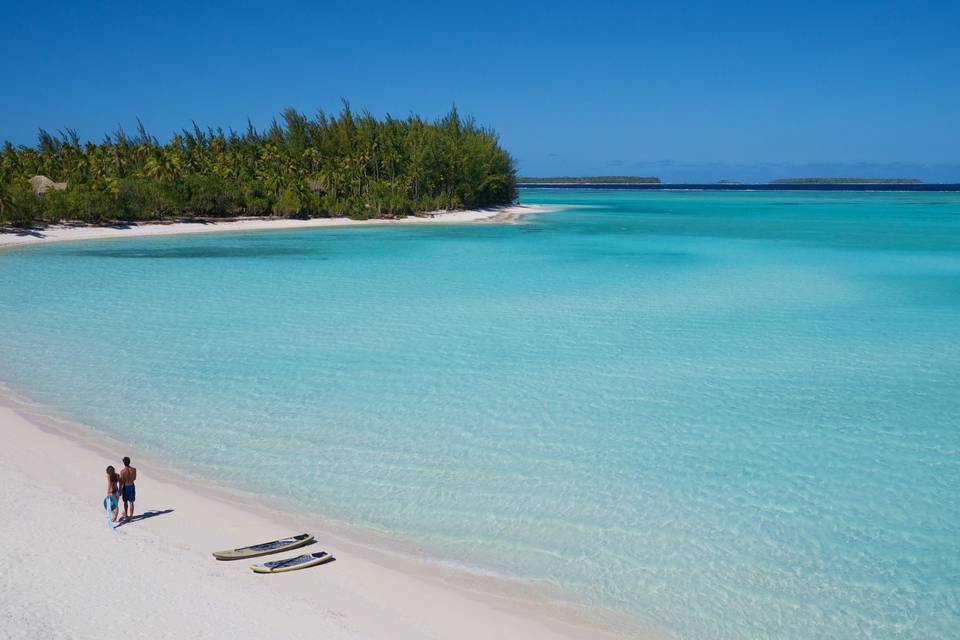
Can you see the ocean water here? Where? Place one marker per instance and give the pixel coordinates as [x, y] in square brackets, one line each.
[732, 415]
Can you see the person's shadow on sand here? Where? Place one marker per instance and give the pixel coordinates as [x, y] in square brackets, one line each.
[144, 516]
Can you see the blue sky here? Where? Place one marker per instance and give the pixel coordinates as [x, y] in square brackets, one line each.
[687, 91]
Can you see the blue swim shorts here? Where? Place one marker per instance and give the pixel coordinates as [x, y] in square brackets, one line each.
[129, 493]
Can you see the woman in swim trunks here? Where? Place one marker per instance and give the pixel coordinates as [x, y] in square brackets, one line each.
[112, 501]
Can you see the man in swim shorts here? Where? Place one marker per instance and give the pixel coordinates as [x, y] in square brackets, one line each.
[128, 488]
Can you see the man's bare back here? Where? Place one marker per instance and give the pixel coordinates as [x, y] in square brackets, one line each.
[128, 488]
[128, 475]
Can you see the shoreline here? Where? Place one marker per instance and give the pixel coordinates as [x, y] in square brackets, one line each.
[379, 587]
[71, 233]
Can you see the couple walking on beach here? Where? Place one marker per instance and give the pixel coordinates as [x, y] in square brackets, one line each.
[121, 484]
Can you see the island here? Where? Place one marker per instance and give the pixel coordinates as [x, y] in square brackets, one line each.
[345, 164]
[846, 181]
[591, 180]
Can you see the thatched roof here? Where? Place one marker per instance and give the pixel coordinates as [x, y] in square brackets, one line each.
[42, 184]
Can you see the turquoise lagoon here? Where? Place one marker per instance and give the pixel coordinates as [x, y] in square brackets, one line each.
[732, 415]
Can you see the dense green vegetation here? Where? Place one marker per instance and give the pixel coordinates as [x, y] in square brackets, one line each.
[344, 164]
[591, 180]
[846, 181]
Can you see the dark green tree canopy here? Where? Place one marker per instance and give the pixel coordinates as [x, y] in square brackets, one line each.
[328, 165]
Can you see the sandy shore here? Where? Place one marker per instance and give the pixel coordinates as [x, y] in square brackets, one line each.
[65, 574]
[63, 233]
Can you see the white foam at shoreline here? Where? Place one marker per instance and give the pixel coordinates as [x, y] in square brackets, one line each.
[66, 233]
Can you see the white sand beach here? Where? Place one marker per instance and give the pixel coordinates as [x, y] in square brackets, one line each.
[65, 574]
[63, 233]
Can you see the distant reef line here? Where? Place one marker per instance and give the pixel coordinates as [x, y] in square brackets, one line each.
[567, 180]
[846, 181]
[591, 180]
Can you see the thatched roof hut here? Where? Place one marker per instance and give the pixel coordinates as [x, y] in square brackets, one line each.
[42, 184]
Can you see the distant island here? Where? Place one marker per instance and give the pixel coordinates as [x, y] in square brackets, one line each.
[325, 166]
[846, 181]
[591, 180]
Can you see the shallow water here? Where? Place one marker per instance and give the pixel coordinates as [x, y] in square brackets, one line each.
[734, 415]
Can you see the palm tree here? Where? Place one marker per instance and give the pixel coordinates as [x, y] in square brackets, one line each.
[6, 199]
[363, 165]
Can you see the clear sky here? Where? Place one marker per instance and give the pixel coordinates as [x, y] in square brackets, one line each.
[687, 91]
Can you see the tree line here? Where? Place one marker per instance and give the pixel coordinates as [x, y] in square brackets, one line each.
[330, 165]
